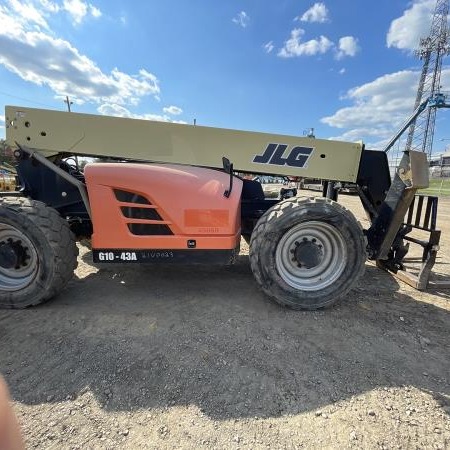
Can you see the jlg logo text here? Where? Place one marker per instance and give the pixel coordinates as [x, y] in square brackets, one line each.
[274, 154]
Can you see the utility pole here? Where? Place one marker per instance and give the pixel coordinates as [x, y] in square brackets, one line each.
[67, 100]
[431, 51]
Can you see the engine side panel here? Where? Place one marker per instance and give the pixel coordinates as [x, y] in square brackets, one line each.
[149, 206]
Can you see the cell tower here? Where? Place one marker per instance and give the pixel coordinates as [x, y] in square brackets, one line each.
[432, 50]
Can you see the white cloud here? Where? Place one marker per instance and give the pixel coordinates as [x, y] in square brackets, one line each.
[49, 6]
[295, 47]
[78, 10]
[34, 14]
[173, 110]
[348, 46]
[405, 32]
[269, 47]
[242, 19]
[95, 12]
[116, 110]
[342, 71]
[317, 13]
[123, 20]
[26, 13]
[378, 108]
[40, 58]
[383, 101]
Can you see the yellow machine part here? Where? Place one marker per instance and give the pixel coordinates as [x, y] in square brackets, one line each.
[7, 183]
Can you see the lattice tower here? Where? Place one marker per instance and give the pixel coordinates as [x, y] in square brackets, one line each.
[432, 50]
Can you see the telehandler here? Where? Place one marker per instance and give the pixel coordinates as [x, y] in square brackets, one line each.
[171, 194]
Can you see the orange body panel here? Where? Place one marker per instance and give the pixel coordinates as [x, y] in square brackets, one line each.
[163, 207]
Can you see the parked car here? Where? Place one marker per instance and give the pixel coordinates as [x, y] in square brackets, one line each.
[347, 188]
[277, 187]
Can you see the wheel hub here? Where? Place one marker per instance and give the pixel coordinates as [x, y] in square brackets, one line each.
[12, 254]
[308, 253]
[311, 255]
[18, 259]
[8, 257]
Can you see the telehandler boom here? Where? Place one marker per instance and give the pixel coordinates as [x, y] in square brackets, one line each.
[170, 193]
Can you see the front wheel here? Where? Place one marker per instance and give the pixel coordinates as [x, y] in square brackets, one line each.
[306, 254]
[38, 253]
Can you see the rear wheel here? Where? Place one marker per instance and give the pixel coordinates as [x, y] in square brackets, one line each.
[306, 254]
[38, 253]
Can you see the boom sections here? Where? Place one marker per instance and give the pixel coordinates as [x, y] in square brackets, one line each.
[56, 132]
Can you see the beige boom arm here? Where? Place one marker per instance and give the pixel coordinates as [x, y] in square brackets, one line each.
[52, 132]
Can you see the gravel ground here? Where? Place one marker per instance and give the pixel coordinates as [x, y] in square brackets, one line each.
[197, 357]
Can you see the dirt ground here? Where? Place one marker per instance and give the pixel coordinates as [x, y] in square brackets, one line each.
[197, 357]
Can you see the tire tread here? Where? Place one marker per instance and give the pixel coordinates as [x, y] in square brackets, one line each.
[59, 236]
[281, 209]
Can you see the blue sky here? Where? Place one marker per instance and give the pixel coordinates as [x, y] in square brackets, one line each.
[344, 67]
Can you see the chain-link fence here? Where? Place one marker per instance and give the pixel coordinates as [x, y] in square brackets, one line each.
[439, 170]
[440, 177]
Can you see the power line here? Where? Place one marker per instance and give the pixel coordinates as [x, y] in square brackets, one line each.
[25, 99]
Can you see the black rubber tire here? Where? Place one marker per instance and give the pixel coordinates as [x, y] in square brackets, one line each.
[277, 221]
[54, 244]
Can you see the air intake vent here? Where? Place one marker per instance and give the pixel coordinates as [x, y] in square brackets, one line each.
[140, 213]
[144, 229]
[130, 197]
[136, 213]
